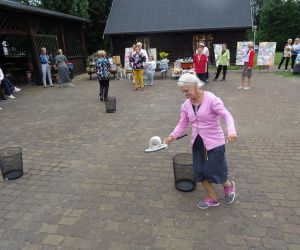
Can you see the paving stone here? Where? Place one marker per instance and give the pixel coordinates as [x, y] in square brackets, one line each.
[48, 228]
[88, 184]
[53, 239]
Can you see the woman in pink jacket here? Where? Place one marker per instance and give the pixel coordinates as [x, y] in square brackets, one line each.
[203, 111]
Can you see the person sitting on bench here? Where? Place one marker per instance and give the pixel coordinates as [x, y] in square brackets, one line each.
[7, 86]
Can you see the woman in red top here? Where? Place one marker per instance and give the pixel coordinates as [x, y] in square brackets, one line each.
[248, 66]
[200, 64]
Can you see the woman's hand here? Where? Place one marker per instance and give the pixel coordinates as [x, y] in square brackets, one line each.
[169, 139]
[231, 138]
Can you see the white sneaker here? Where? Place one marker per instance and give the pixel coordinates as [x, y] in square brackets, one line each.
[11, 97]
[286, 70]
[0, 108]
[240, 87]
[17, 89]
[246, 88]
[71, 84]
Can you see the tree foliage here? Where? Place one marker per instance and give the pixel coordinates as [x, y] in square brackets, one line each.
[98, 14]
[72, 7]
[279, 20]
[256, 6]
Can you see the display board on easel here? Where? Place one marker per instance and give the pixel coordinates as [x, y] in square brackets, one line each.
[217, 52]
[126, 59]
[241, 52]
[152, 52]
[266, 55]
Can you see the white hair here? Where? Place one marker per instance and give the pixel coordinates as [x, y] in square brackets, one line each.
[189, 79]
[251, 44]
[139, 44]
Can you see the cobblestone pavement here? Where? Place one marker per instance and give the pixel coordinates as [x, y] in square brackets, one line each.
[88, 184]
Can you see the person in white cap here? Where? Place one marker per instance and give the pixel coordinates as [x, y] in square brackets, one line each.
[206, 52]
[203, 111]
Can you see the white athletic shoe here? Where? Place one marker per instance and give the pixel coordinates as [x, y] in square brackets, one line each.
[17, 89]
[11, 97]
[246, 88]
[240, 87]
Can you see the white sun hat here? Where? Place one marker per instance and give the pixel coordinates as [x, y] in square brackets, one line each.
[155, 145]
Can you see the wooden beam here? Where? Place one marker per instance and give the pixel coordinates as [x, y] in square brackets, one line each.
[35, 57]
[62, 38]
[83, 45]
[13, 32]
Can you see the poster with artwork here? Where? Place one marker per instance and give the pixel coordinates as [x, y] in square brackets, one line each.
[241, 52]
[152, 52]
[266, 53]
[126, 59]
[217, 52]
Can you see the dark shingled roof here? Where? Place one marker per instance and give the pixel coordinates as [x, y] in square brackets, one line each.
[16, 6]
[131, 16]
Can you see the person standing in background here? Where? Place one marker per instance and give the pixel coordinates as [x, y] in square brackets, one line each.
[248, 66]
[200, 63]
[287, 53]
[223, 59]
[206, 52]
[150, 70]
[63, 71]
[45, 65]
[138, 60]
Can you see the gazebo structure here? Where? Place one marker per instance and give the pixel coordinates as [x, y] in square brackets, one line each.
[25, 29]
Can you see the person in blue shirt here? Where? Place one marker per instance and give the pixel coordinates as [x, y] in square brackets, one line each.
[46, 68]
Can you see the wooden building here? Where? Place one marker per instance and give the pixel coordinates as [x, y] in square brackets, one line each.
[177, 27]
[25, 29]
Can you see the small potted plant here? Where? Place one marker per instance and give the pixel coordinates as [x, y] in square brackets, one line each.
[164, 56]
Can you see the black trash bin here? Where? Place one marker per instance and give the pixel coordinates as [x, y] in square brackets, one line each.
[11, 163]
[184, 172]
[110, 104]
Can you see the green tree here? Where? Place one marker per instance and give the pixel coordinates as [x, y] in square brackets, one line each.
[98, 13]
[72, 7]
[31, 2]
[256, 6]
[279, 20]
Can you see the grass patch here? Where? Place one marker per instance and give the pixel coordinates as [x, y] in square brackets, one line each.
[286, 74]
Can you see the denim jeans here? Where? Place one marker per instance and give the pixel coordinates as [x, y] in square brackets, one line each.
[149, 78]
[7, 86]
[46, 72]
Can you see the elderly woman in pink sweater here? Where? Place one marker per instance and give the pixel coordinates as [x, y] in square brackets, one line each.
[203, 111]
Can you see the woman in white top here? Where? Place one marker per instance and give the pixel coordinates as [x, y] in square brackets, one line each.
[287, 53]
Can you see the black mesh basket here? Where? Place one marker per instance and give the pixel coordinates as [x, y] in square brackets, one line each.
[11, 163]
[184, 172]
[110, 104]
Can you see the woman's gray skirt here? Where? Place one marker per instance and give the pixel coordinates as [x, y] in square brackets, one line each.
[246, 71]
[63, 74]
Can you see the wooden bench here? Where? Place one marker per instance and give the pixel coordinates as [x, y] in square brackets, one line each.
[90, 73]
